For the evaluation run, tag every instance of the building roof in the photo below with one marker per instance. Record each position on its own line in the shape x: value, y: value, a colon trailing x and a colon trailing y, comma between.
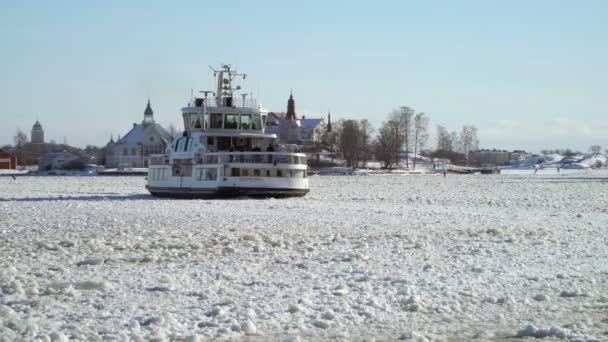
x: 310, y: 123
x: 37, y: 125
x: 6, y: 152
x: 138, y: 132
x: 277, y: 116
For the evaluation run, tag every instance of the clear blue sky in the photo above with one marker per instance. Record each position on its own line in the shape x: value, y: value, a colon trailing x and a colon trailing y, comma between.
x: 528, y: 74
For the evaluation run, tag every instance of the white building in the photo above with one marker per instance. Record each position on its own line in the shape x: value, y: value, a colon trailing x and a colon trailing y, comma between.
x: 133, y: 149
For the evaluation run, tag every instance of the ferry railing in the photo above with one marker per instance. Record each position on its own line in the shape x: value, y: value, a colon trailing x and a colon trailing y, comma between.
x: 252, y: 157
x: 239, y: 158
x: 236, y: 102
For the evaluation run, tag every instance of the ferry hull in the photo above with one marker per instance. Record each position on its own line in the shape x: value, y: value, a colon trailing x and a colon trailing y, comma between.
x: 225, y: 192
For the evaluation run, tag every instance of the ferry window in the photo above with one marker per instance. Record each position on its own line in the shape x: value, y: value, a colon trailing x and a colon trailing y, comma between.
x: 288, y: 173
x: 206, y: 174
x: 211, y: 174
x: 196, y: 122
x: 256, y: 123
x: 235, y: 172
x: 279, y: 173
x: 186, y: 123
x: 210, y: 141
x: 267, y: 173
x: 245, y: 121
x: 298, y: 174
x: 231, y: 121
x: 256, y: 172
x: 244, y: 172
x: 305, y: 174
x: 216, y: 120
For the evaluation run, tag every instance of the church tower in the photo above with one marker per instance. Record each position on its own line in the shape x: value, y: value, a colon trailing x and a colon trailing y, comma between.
x: 291, y: 109
x: 37, y: 134
x: 148, y: 115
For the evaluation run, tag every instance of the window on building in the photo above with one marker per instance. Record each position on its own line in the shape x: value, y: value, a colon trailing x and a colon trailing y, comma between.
x: 125, y: 151
x: 133, y: 151
x: 151, y: 139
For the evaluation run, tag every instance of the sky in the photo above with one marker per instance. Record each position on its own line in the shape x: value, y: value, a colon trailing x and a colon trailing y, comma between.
x: 529, y: 74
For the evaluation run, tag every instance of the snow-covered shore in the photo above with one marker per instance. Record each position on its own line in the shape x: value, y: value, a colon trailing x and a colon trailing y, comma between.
x: 456, y: 258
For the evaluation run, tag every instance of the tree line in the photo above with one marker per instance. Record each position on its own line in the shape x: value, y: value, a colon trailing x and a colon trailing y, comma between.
x: 404, y: 132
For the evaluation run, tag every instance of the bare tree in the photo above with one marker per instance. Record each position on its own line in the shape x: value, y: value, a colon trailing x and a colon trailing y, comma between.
x: 20, y: 138
x: 444, y: 141
x: 350, y: 142
x: 456, y: 141
x: 468, y: 140
x: 366, y: 135
x: 595, y: 149
x: 172, y: 130
x: 421, y: 123
x: 393, y: 126
x: 385, y: 146
x: 401, y: 122
x: 407, y: 126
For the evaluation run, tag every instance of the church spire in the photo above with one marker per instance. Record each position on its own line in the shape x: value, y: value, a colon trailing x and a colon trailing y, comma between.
x: 328, y: 121
x: 291, y: 108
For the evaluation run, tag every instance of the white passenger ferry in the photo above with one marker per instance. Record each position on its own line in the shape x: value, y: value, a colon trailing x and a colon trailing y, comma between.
x: 225, y: 152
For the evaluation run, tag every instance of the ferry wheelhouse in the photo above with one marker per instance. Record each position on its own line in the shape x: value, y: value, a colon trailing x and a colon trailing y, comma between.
x: 225, y: 152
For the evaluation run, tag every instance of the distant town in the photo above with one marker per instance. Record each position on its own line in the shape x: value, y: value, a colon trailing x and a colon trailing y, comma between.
x: 400, y: 143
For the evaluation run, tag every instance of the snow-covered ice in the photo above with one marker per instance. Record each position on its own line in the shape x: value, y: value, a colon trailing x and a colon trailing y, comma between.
x: 415, y: 258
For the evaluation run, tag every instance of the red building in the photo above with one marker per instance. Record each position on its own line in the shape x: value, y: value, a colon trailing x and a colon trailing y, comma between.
x: 7, y: 161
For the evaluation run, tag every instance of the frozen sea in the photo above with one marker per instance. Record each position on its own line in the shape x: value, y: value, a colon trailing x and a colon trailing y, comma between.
x: 418, y: 258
